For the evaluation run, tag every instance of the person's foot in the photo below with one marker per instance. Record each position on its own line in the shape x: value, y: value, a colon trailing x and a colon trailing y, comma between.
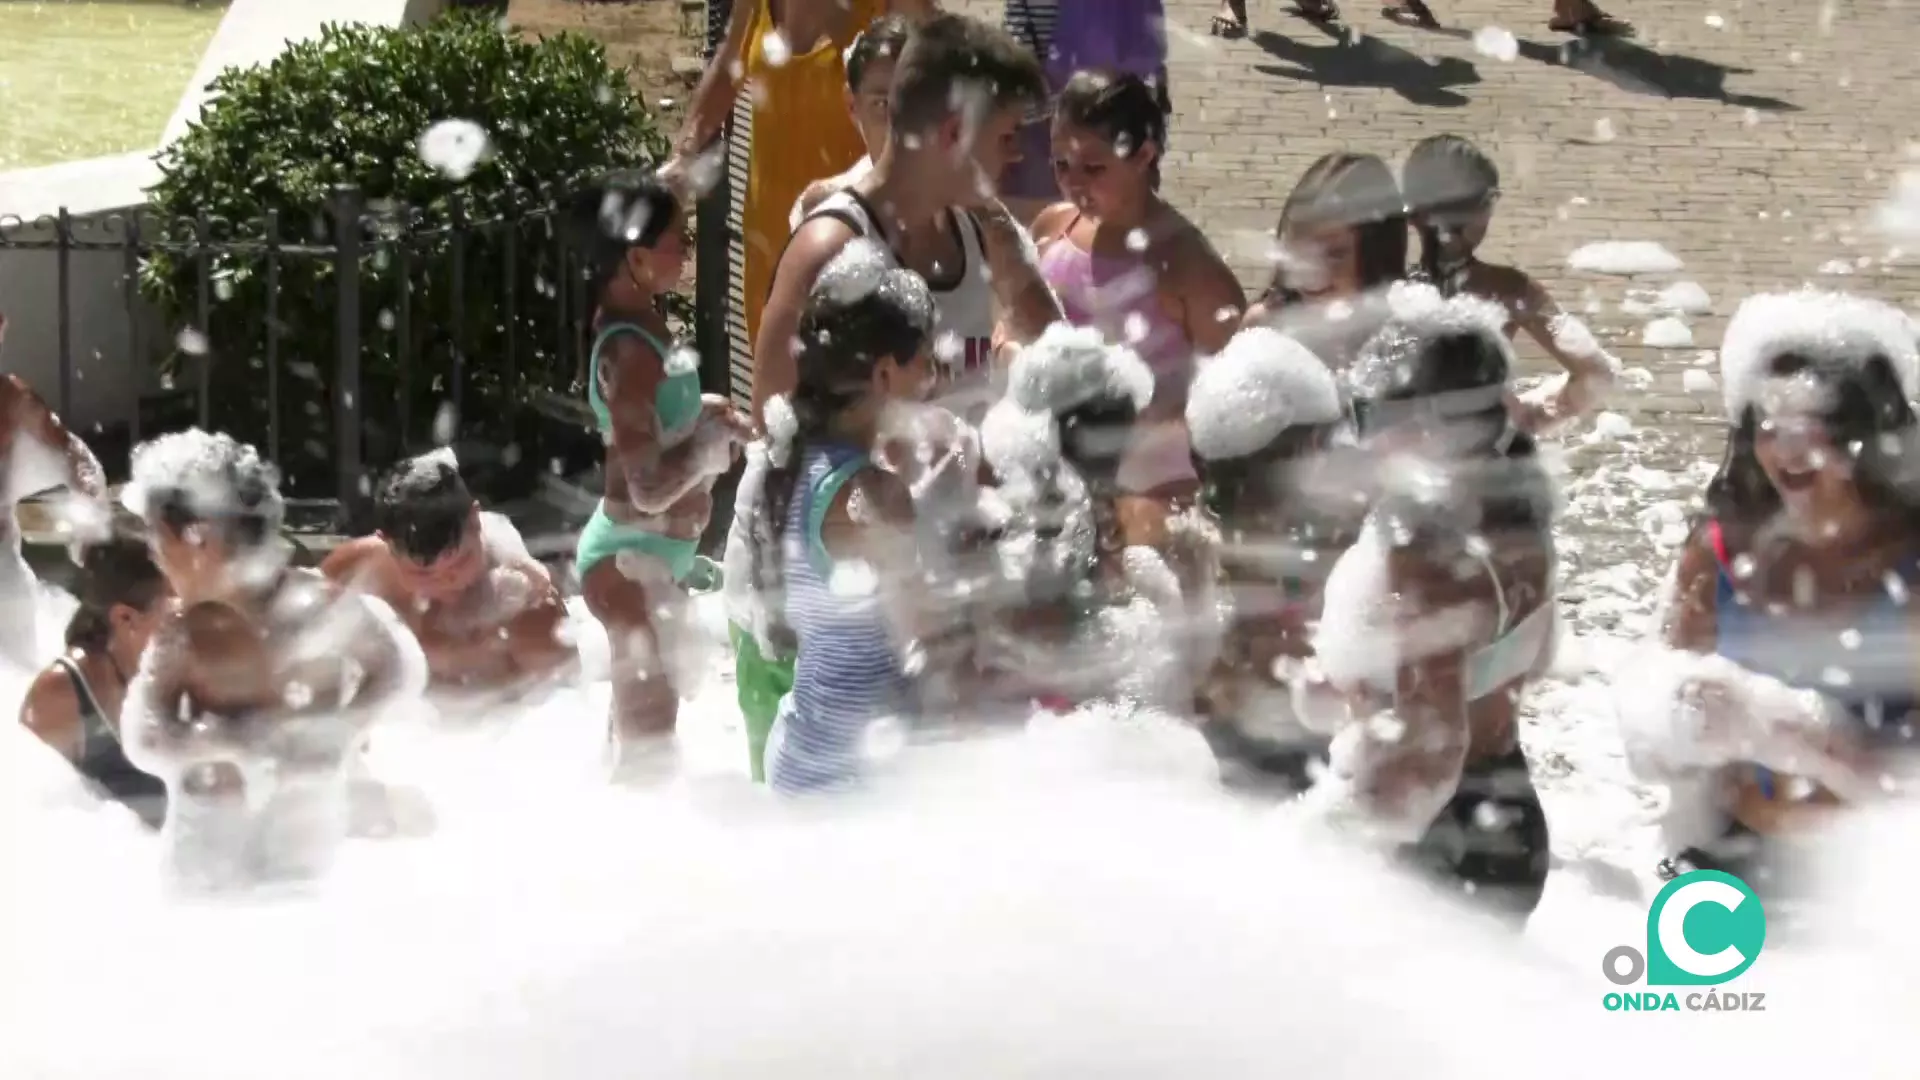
x: 1584, y: 18
x: 1231, y: 20
x: 1412, y: 11
x: 1320, y: 11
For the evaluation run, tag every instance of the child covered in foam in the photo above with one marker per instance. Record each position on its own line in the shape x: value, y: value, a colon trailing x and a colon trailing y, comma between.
x: 1443, y: 612
x: 1103, y: 595
x: 1783, y: 685
x: 1271, y: 441
x: 253, y: 700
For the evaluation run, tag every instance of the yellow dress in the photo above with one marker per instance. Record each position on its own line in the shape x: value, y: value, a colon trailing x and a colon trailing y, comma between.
x: 801, y: 133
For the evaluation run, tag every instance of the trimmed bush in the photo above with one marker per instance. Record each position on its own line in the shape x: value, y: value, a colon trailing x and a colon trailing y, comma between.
x: 350, y: 109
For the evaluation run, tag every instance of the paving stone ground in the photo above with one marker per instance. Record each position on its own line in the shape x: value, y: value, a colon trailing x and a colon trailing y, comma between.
x: 1749, y: 137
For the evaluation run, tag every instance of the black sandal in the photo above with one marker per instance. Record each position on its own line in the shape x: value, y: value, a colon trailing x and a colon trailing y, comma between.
x: 1230, y: 29
x: 1318, y: 11
x: 1413, y: 11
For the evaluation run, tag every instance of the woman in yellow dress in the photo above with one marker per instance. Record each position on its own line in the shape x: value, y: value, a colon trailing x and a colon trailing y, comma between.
x: 788, y: 53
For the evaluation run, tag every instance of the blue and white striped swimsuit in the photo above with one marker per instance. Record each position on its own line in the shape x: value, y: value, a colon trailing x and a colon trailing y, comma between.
x: 847, y: 673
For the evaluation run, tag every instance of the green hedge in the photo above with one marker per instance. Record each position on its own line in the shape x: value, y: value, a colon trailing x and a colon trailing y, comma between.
x: 349, y: 108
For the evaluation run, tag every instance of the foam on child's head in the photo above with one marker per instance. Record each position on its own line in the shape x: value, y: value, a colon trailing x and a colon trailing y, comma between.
x: 1261, y: 384
x: 1070, y: 366
x: 854, y: 273
x: 1819, y: 325
x: 1418, y: 313
x: 1018, y: 440
x: 215, y: 474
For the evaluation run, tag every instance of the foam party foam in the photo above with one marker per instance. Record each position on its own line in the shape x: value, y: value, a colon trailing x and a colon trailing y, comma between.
x: 1820, y: 325
x: 1072, y: 900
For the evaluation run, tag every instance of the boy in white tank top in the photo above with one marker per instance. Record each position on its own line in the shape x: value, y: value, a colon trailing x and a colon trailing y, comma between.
x: 960, y: 91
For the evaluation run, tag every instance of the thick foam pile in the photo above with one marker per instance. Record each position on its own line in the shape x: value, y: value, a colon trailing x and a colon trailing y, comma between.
x: 1417, y: 311
x: 1260, y: 385
x: 1819, y: 325
x: 1069, y: 366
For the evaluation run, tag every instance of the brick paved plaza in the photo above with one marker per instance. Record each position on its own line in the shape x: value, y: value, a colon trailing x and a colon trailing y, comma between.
x: 1754, y: 150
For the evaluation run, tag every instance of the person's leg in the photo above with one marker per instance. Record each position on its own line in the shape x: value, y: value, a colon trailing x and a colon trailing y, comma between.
x: 626, y: 577
x: 1231, y: 20
x: 1413, y: 11
x: 1491, y: 841
x: 761, y: 683
x: 1585, y: 17
x: 646, y: 707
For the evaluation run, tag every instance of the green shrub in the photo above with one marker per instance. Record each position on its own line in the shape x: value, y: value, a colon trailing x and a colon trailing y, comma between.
x: 349, y: 109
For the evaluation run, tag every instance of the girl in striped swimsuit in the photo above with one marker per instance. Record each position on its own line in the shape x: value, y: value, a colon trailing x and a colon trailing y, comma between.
x: 833, y: 545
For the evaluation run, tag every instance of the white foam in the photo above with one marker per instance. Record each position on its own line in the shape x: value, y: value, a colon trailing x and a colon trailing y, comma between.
x: 1898, y: 217
x: 204, y: 466
x: 1666, y: 333
x: 1495, y: 42
x: 1068, y: 366
x: 1823, y: 325
x: 455, y: 147
x: 1624, y: 257
x: 1262, y: 383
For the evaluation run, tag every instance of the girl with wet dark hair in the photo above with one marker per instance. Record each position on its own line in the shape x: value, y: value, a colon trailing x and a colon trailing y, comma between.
x: 1126, y: 263
x: 833, y: 533
x: 666, y: 445
x: 1122, y: 37
x: 74, y: 705
x: 1451, y: 187
x: 1443, y: 612
x: 1269, y: 436
x: 1341, y: 239
x: 1798, y: 575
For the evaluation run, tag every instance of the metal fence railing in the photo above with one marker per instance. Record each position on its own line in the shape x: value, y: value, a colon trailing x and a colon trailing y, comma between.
x: 342, y: 342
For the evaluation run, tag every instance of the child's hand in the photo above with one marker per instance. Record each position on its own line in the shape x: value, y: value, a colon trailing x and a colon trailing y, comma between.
x: 719, y: 412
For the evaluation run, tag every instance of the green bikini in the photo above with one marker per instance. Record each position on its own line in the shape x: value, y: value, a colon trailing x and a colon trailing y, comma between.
x: 677, y: 403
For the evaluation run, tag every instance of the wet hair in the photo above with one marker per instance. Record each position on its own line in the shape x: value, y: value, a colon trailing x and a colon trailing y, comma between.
x: 1093, y: 438
x: 1867, y: 414
x: 862, y: 311
x: 884, y: 39
x: 615, y: 214
x: 1121, y: 108
x: 1459, y: 376
x: 947, y: 54
x: 423, y: 508
x: 1231, y: 486
x: 1445, y: 174
x: 211, y: 480
x: 120, y: 572
x: 1355, y: 191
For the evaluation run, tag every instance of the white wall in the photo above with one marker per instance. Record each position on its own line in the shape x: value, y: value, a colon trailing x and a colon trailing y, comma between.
x: 108, y: 378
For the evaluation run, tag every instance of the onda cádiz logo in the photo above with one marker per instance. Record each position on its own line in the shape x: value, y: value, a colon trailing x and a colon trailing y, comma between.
x: 1704, y: 929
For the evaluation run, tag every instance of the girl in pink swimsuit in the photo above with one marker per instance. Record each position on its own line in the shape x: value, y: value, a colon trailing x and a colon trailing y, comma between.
x: 1126, y: 263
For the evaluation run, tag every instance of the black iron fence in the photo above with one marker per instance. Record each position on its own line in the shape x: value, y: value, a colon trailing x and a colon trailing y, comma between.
x: 342, y: 342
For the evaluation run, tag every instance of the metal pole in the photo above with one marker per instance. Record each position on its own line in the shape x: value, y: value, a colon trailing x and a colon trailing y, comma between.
x: 347, y: 205
x: 63, y: 233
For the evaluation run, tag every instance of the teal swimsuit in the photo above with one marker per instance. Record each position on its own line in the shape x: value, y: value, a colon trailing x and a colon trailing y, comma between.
x: 677, y: 403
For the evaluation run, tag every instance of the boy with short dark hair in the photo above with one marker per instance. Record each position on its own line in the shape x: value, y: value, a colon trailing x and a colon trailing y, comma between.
x: 486, y: 614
